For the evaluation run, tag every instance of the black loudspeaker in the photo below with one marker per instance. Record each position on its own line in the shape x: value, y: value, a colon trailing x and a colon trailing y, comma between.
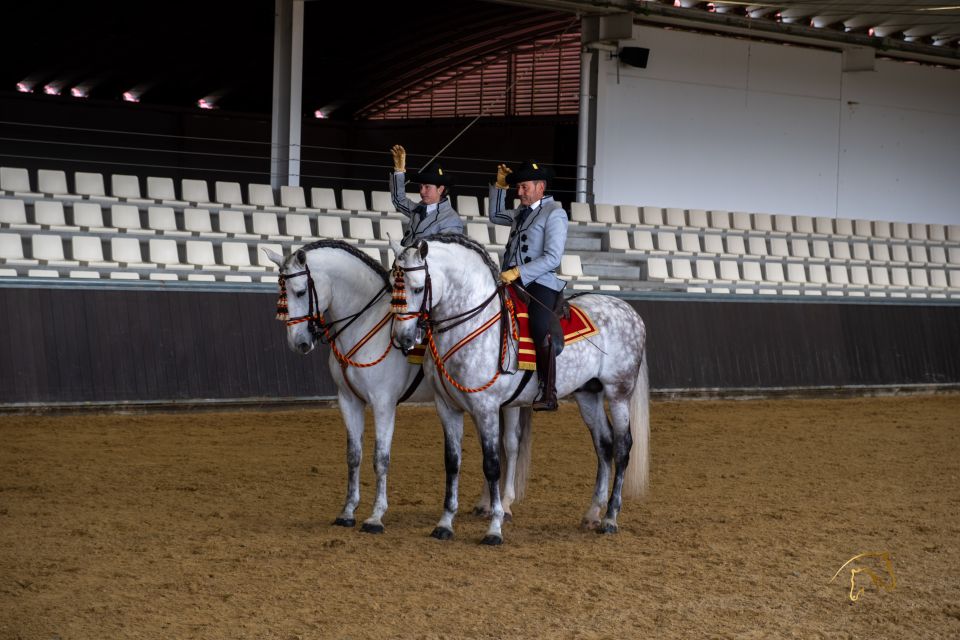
x: 634, y: 56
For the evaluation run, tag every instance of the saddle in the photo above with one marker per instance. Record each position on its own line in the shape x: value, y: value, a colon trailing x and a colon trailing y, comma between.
x: 574, y: 325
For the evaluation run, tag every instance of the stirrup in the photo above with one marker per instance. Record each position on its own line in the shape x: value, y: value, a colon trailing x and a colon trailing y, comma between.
x: 545, y: 402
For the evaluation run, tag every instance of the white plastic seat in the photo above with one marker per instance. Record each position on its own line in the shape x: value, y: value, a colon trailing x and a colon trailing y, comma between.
x: 265, y: 223
x: 880, y: 251
x: 729, y: 270
x: 799, y: 248
x: 329, y: 227
x: 580, y: 212
x: 361, y: 229
x: 680, y: 270
x: 803, y: 224
x: 643, y: 240
x: 752, y: 271
x: 862, y: 227
x: 706, y: 270
x: 735, y: 246
x: 720, y: 219
x: 918, y: 253
x: 373, y: 252
x: 196, y: 192
x: 89, y: 250
x: 918, y: 278
x: 881, y: 229
x: 11, y: 250
x: 13, y: 214
x: 49, y: 249
x: 229, y: 194
x: 298, y: 225
x: 860, y: 251
x: 880, y: 276
x: 823, y: 225
x: 232, y: 222
x: 479, y: 232
x: 690, y: 242
x: 840, y: 250
x: 657, y: 269
x: 501, y: 234
x: 821, y: 249
x: 783, y: 223
x: 953, y: 255
x: 50, y: 213
x: 126, y: 187
x: 675, y: 217
x: 900, y: 230
x: 818, y: 274
x: 54, y: 183
x: 89, y: 215
x: 843, y: 227
x: 323, y: 198
x: 698, y: 218
x: 237, y: 255
x: 938, y: 255
x: 741, y: 221
x: 353, y: 200
x: 467, y: 206
x: 839, y: 274
x: 293, y: 197
x: 763, y: 222
x: 127, y: 252
x: 43, y: 273
x: 382, y: 201
x: 757, y: 246
x: 773, y: 272
x: 164, y: 220
x: 198, y: 221
x: 937, y: 232
x: 796, y: 273
x: 261, y: 195
x: 164, y: 252
x: 713, y: 243
x: 779, y: 247
x: 618, y: 240
x: 918, y: 231
x: 571, y: 266
x: 653, y: 216
x: 90, y: 185
x: 899, y: 253
x: 162, y: 189
x: 605, y: 214
x: 16, y: 181
x: 200, y: 254
x: 954, y: 276
x: 666, y: 241
x: 938, y: 279
x: 628, y: 214
x: 393, y: 229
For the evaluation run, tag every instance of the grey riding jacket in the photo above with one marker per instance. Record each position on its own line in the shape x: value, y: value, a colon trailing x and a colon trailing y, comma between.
x: 443, y: 219
x: 536, y: 244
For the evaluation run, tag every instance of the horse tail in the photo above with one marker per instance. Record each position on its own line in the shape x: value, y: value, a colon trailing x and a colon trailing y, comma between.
x: 638, y: 470
x: 524, y: 453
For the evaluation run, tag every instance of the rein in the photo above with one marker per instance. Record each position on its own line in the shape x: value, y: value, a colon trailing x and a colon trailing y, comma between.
x: 427, y: 324
x: 315, y: 319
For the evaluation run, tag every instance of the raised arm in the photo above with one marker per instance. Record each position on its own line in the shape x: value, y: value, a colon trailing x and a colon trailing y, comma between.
x: 398, y: 181
x: 497, y: 210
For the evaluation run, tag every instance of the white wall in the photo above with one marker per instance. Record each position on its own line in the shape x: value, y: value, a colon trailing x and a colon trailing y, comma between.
x: 723, y: 123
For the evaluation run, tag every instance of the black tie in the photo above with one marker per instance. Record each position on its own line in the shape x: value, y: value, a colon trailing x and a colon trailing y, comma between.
x: 524, y: 212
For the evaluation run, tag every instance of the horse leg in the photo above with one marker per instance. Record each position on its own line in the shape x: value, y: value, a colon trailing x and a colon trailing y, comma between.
x: 510, y: 434
x: 591, y: 410
x: 488, y: 428
x: 622, y: 441
x: 452, y: 420
x: 351, y: 408
x: 383, y: 416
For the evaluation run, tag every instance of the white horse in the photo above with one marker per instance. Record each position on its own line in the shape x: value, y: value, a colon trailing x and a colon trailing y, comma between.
x: 337, y: 294
x: 451, y: 290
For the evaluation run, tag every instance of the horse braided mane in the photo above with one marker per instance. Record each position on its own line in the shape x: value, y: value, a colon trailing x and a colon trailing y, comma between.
x: 469, y: 243
x: 352, y: 250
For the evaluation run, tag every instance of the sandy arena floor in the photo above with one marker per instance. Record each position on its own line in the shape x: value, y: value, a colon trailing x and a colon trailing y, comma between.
x: 217, y: 525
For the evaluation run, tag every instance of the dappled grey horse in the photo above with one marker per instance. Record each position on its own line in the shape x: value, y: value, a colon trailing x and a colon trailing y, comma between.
x: 450, y: 289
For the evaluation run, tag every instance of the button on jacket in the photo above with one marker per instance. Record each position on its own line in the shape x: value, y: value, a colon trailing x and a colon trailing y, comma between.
x: 443, y: 219
x: 537, y: 242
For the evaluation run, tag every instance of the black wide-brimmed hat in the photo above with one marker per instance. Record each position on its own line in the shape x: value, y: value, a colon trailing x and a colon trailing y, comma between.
x: 432, y: 174
x: 529, y: 170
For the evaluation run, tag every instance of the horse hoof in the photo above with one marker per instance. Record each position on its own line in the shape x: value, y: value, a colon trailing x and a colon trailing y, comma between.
x: 344, y: 522
x: 371, y: 528
x: 441, y: 533
x: 492, y: 540
x: 608, y: 528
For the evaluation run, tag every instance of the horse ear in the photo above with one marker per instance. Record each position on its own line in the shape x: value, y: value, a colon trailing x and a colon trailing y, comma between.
x: 274, y: 257
x: 422, y: 247
x: 397, y: 248
x: 301, y: 256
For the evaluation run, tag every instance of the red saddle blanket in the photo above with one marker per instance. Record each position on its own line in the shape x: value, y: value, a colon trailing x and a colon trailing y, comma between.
x: 577, y: 326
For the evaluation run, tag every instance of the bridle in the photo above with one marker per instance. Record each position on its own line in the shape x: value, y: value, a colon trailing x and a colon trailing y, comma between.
x: 429, y: 326
x: 320, y: 329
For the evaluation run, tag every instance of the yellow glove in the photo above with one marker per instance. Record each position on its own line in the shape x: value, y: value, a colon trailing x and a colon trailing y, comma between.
x: 399, y: 157
x: 510, y: 275
x: 502, y: 172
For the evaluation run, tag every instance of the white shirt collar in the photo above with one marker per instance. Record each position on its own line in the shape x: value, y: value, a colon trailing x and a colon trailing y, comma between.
x: 536, y: 204
x: 432, y: 207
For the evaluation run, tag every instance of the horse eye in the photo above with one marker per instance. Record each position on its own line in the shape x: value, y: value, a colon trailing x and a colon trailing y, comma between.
x: 300, y: 294
x: 418, y: 289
